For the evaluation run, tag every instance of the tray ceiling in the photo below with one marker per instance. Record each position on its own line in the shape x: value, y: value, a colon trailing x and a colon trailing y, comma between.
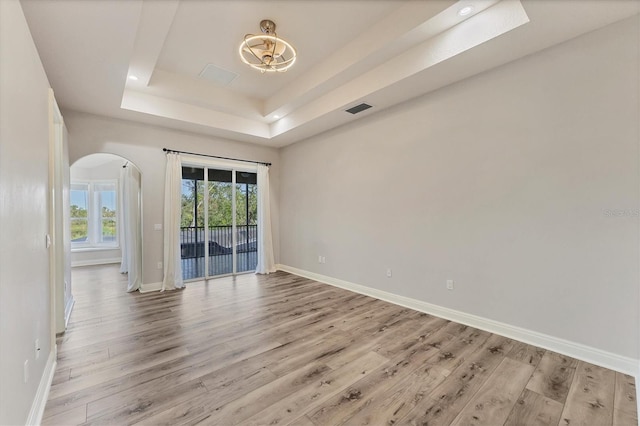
x: 349, y: 52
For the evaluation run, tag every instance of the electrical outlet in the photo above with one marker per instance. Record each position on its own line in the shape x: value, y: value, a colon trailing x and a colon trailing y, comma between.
x: 449, y: 284
x: 159, y: 266
x: 157, y: 227
x: 319, y: 259
x: 389, y: 272
x: 37, y: 348
x: 324, y: 259
x: 25, y: 371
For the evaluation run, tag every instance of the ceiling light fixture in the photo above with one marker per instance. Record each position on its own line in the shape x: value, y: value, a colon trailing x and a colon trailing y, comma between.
x: 276, y: 116
x: 465, y: 10
x: 133, y: 77
x: 267, y: 52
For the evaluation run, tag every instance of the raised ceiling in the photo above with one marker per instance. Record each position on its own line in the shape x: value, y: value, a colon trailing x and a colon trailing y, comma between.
x: 379, y: 52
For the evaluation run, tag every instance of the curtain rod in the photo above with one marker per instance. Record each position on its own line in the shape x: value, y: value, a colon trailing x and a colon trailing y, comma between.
x: 214, y: 156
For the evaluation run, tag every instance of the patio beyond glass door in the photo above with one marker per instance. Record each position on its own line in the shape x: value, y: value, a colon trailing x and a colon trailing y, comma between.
x: 228, y: 207
x: 246, y: 221
x: 220, y: 220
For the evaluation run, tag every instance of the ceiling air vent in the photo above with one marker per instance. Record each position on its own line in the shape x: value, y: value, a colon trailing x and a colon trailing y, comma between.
x: 217, y: 75
x: 358, y: 108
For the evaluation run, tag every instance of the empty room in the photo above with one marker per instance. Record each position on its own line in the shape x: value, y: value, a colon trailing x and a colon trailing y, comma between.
x: 319, y: 212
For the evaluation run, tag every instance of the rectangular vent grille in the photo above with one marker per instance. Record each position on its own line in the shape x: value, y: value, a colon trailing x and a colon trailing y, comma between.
x: 358, y: 108
x: 217, y: 75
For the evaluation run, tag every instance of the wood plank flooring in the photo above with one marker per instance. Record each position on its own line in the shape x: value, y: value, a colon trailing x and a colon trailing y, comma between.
x: 280, y: 349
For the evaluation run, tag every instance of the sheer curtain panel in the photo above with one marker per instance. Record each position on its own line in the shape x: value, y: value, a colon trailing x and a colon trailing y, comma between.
x: 129, y: 226
x: 132, y: 215
x: 172, y: 203
x: 266, y: 263
x: 122, y: 225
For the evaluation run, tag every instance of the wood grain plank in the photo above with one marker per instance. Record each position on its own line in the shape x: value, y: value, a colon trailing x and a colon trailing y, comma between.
x: 74, y: 416
x: 553, y: 376
x: 450, y: 397
x: 144, y: 406
x: 346, y: 404
x: 497, y: 396
x: 465, y: 343
x: 624, y: 418
x: 590, y: 399
x: 61, y: 375
x: 526, y: 353
x: 259, y: 399
x: 624, y: 402
x: 313, y: 395
x: 302, y: 421
x: 390, y: 406
x: 199, y: 363
x: 533, y: 409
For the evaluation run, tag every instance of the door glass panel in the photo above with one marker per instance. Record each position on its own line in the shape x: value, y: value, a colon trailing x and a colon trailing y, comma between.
x: 246, y: 221
x: 220, y: 223
x: 192, y: 223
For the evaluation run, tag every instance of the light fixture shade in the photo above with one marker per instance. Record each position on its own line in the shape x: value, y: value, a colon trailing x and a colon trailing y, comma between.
x: 267, y: 52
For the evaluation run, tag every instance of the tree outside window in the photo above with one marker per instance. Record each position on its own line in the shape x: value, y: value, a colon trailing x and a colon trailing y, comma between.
x: 94, y: 214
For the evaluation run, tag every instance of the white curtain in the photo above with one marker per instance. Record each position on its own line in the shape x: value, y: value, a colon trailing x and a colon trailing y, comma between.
x: 122, y: 228
x: 172, y: 204
x: 266, y: 263
x: 130, y: 231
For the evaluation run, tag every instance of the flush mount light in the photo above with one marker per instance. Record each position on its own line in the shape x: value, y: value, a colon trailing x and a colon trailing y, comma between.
x: 276, y: 116
x: 465, y: 10
x: 267, y: 52
x: 133, y: 78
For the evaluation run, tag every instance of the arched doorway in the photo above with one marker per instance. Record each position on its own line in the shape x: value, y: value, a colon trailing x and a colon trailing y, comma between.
x: 105, y: 214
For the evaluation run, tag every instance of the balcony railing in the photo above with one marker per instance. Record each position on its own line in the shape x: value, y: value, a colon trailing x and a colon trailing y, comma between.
x: 220, y: 240
x: 220, y: 250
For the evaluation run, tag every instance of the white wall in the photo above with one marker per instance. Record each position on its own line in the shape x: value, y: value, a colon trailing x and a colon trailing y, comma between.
x: 25, y: 311
x: 500, y: 182
x: 108, y: 171
x: 142, y: 144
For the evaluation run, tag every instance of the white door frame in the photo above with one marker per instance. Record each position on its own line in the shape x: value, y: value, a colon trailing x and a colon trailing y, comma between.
x: 57, y: 255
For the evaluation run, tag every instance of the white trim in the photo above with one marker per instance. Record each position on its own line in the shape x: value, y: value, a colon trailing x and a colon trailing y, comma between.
x: 149, y: 287
x: 94, y: 249
x: 92, y: 262
x: 67, y: 310
x: 42, y: 394
x: 217, y: 163
x: 575, y: 350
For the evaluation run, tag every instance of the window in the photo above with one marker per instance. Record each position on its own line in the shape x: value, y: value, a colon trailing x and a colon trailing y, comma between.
x: 79, y: 209
x: 94, y: 214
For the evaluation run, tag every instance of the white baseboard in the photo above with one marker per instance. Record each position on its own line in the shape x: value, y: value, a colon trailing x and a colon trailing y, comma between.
x: 575, y: 350
x: 149, y: 287
x: 42, y: 394
x: 77, y: 263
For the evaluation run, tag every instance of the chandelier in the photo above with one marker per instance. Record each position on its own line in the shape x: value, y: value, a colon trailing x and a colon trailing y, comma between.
x: 267, y: 52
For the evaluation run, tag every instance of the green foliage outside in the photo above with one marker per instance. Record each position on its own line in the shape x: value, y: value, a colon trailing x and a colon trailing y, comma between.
x: 220, y: 204
x: 80, y: 224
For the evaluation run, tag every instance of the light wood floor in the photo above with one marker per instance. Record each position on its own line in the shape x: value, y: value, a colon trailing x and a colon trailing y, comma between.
x: 281, y: 349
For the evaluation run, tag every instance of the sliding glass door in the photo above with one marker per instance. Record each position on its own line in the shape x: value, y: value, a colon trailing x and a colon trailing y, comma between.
x: 246, y: 221
x: 218, y: 233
